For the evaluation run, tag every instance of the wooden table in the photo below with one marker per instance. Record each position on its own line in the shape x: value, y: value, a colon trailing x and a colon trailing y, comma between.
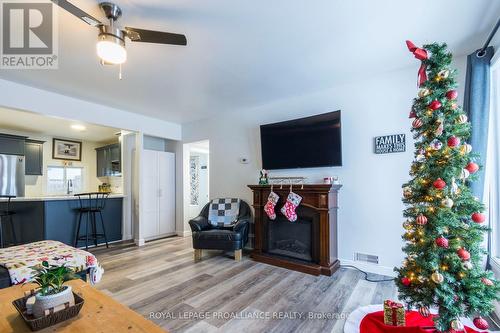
x: 100, y: 314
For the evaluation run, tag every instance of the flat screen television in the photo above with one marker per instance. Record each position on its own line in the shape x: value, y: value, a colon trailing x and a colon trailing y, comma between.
x: 302, y: 143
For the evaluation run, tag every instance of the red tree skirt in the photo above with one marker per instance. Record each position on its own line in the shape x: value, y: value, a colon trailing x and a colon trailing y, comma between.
x: 415, y: 323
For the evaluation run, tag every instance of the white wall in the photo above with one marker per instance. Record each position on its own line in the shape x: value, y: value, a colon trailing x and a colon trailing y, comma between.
x: 370, y: 214
x: 22, y: 97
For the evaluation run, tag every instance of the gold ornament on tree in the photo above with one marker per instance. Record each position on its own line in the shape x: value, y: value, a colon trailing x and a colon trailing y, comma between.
x: 407, y: 192
x: 465, y: 174
x: 440, y: 128
x: 424, y: 92
x: 466, y: 149
x: 462, y: 119
x: 442, y: 75
x: 467, y: 265
x: 437, y: 277
x: 447, y: 202
x: 457, y: 325
x: 454, y: 186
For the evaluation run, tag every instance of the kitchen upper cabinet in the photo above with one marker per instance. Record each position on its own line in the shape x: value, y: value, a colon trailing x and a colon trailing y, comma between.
x: 12, y: 144
x: 33, y: 150
x: 109, y: 160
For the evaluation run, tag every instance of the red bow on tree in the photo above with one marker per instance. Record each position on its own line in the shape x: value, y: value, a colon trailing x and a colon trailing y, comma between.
x: 421, y: 55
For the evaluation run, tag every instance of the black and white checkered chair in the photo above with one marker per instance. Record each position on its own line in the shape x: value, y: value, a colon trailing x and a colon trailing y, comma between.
x: 220, y: 232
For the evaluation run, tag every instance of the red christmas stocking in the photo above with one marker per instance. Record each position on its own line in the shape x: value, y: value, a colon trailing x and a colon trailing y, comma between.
x: 272, y: 200
x: 291, y: 204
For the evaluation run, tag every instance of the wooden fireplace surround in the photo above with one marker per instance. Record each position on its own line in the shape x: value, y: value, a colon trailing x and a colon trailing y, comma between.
x: 323, y: 199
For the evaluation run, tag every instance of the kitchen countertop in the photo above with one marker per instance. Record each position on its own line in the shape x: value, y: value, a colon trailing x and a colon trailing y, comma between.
x: 57, y: 197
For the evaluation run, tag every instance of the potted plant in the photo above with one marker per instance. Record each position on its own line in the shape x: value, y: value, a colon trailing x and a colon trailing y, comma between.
x: 52, y: 292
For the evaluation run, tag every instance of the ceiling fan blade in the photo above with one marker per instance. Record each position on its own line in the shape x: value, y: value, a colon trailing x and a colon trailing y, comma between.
x: 87, y: 18
x: 159, y: 37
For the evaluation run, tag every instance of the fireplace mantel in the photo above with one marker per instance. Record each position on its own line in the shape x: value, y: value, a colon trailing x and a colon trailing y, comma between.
x: 320, y: 197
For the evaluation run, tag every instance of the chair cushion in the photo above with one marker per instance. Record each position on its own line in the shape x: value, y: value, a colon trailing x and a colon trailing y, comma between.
x: 223, y: 211
x: 217, y: 235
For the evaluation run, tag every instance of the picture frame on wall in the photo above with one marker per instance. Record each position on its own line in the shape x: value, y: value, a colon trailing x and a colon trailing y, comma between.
x: 66, y: 150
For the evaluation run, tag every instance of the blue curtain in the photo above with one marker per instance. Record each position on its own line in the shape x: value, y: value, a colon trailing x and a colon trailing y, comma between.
x: 477, y: 107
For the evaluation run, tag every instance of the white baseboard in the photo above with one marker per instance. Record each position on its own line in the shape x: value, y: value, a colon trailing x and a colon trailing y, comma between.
x: 184, y: 233
x: 370, y: 268
x: 127, y: 237
x: 139, y: 242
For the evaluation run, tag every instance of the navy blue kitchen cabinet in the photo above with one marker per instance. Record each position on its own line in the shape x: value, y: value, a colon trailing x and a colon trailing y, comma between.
x: 109, y: 160
x: 33, y: 157
x: 61, y: 220
x: 57, y: 220
x: 11, y: 144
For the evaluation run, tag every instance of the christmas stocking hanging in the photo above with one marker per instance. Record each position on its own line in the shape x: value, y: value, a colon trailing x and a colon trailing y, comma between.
x: 272, y: 200
x: 291, y: 204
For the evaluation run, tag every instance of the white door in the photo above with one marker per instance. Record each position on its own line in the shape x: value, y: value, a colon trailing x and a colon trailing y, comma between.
x: 166, y: 176
x: 149, y: 190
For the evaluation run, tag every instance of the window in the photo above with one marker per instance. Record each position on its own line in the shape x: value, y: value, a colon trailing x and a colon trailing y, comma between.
x: 194, y: 175
x: 59, y: 177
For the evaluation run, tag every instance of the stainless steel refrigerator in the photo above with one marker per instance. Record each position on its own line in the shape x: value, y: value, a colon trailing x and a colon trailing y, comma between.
x: 12, y: 175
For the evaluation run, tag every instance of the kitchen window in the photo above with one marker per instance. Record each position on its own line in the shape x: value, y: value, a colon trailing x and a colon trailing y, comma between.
x: 60, y: 178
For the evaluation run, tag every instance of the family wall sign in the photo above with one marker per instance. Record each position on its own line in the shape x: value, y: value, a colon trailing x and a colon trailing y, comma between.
x: 386, y: 144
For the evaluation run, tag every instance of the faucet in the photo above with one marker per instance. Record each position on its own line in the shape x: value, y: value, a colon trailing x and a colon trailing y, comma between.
x: 69, y: 189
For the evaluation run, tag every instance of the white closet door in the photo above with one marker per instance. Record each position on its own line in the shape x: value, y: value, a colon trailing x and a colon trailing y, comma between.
x: 150, y: 192
x: 166, y: 170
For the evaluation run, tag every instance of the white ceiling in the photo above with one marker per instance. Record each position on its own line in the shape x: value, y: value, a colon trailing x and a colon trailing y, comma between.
x: 21, y: 122
x: 242, y: 54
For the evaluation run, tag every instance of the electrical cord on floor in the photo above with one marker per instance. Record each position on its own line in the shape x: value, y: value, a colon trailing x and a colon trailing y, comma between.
x: 366, y: 274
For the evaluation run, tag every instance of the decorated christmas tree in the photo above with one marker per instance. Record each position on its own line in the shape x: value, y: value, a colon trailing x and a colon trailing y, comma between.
x: 444, y: 226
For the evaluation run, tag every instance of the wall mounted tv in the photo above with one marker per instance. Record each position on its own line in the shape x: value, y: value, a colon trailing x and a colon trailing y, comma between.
x: 302, y: 143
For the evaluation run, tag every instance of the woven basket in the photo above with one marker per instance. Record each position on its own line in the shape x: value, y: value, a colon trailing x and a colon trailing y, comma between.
x: 36, y: 324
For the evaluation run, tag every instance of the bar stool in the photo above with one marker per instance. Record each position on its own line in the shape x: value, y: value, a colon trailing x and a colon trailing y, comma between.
x: 91, y: 205
x: 8, y: 213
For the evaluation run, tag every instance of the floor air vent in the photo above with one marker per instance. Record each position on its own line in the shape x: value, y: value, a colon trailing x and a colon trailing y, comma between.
x: 372, y: 259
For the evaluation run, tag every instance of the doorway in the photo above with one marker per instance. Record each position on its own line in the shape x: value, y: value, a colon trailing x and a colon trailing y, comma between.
x: 196, y: 177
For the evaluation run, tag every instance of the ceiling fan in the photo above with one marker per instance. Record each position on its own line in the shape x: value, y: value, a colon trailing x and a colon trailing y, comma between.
x: 111, y: 39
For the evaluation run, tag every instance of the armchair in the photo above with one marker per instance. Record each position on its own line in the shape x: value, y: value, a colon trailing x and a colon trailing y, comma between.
x: 209, y: 237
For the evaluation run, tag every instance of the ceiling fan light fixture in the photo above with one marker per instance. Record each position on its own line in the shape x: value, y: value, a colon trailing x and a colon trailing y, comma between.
x: 111, y: 49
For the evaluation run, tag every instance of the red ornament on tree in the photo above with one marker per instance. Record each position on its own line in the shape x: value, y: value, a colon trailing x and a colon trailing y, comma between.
x: 463, y: 254
x: 421, y: 220
x: 480, y: 323
x: 478, y: 217
x: 435, y: 104
x: 413, y: 114
x: 439, y: 184
x: 487, y: 282
x: 417, y: 123
x: 453, y: 141
x: 452, y: 94
x: 442, y: 242
x: 405, y: 281
x: 472, y: 167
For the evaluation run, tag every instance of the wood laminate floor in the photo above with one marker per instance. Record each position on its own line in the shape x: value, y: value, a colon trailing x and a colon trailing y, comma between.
x: 161, y: 281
